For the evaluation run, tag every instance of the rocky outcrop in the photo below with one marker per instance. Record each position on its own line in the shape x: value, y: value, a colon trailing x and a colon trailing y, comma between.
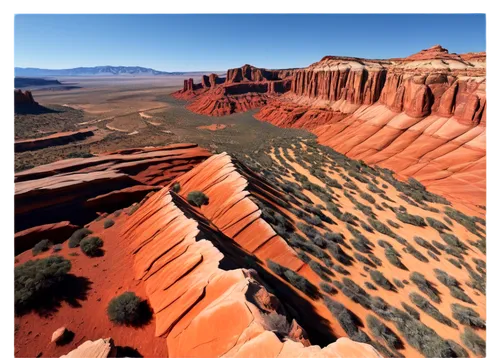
x: 421, y: 116
x: 56, y: 233
x: 192, y: 262
x: 25, y: 103
x: 68, y: 189
x: 101, y: 348
x: 23, y: 145
x: 244, y: 88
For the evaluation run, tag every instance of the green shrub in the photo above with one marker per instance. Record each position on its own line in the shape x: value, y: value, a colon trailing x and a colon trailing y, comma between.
x: 446, y: 279
x: 347, y: 320
x: 108, y: 223
x: 78, y: 235
x: 127, y: 309
x: 339, y: 254
x: 381, y: 227
x: 436, y: 224
x: 425, y: 286
x: 398, y: 283
x: 412, y: 311
x: 35, y: 279
x: 383, y: 332
x: 375, y: 259
x: 431, y: 310
x: 356, y: 293
x: 367, y: 197
x: 176, y: 187
x: 379, y: 278
x: 414, y: 220
x: 467, y: 316
x: 370, y: 286
x: 327, y: 288
x: 364, y: 259
x: 277, y: 323
x: 426, y: 245
x: 474, y: 342
x: 197, y: 198
x: 57, y: 248
x: 393, y: 257
x: 415, y: 253
x: 320, y: 270
x: 294, y: 279
x: 42, y: 246
x: 393, y: 224
x: 92, y: 246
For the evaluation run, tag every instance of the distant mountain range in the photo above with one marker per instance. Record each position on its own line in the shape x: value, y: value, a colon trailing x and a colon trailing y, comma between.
x: 99, y: 71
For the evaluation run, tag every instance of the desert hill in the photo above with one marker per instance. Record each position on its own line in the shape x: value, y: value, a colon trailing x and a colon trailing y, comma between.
x: 317, y: 254
x: 423, y: 116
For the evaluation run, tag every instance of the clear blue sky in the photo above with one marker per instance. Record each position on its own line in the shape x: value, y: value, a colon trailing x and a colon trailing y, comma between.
x: 218, y: 42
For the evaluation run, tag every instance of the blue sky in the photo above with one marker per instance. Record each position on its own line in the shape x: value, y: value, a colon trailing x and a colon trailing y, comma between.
x: 218, y: 42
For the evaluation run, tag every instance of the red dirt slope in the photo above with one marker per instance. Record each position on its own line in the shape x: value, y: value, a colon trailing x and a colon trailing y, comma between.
x: 422, y: 116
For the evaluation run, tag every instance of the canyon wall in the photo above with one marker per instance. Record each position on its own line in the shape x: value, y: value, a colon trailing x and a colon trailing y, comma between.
x: 423, y: 116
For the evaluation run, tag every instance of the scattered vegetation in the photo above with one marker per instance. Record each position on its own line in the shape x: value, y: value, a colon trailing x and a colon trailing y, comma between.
x: 425, y: 286
x: 92, y: 246
x: 381, y: 331
x: 35, y: 279
x: 474, y: 342
x: 77, y: 237
x: 431, y: 310
x: 197, y: 198
x: 42, y: 246
x: 176, y: 187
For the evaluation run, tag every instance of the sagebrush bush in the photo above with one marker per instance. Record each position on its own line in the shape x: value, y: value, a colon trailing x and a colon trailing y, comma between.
x: 108, y: 223
x: 436, y: 224
x: 41, y: 246
x: 381, y: 331
x: 78, y: 235
x: 412, y: 311
x: 126, y: 309
x: 407, y: 218
x: 34, y: 279
x: 425, y: 286
x: 379, y: 278
x: 326, y: 287
x: 467, y: 316
x: 197, y: 198
x: 91, y: 246
x: 430, y: 309
x: 277, y: 323
x: 347, y: 320
x: 176, y: 187
x: 393, y: 257
x: 474, y: 342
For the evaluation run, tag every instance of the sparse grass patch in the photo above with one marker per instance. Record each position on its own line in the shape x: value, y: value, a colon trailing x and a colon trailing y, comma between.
x: 41, y: 246
x: 431, y: 310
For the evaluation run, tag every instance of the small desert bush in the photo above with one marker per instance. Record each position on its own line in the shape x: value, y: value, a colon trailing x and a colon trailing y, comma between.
x: 393, y: 224
x: 320, y: 270
x: 430, y: 309
x: 126, y: 309
x: 176, y: 187
x: 381, y: 331
x: 91, y: 246
x: 197, y: 198
x: 415, y: 253
x: 35, y: 279
x: 108, y: 223
x: 42, y: 246
x: 57, y: 248
x: 347, y: 320
x: 425, y: 286
x: 436, y: 224
x: 78, y: 235
x: 381, y: 227
x: 326, y: 287
x: 278, y: 323
x: 393, y: 257
x: 375, y: 259
x: 364, y: 259
x: 474, y: 342
x: 379, y: 278
x: 339, y: 254
x: 294, y: 279
x: 412, y: 311
x: 356, y: 293
x: 370, y: 286
x: 407, y: 218
x: 467, y: 316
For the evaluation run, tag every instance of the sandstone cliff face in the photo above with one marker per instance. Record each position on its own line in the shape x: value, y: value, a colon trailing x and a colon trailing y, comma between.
x: 188, y: 258
x: 422, y: 116
x: 70, y: 189
x: 24, y: 102
x: 244, y: 88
